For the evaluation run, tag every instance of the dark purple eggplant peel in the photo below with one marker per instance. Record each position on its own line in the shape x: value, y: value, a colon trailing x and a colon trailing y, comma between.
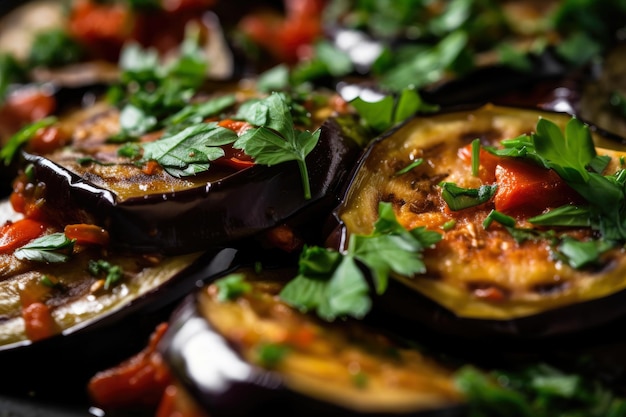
x: 212, y: 346
x: 536, y: 295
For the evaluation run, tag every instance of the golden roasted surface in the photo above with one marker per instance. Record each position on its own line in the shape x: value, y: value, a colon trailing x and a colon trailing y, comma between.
x: 473, y: 271
x: 341, y: 362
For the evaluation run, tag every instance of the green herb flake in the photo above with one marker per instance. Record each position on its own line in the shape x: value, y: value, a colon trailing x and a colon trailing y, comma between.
x: 499, y: 217
x: 270, y: 355
x: 380, y: 115
x: 49, y: 282
x: 333, y: 284
x: 112, y: 273
x: 276, y: 140
x: 409, y: 167
x: 459, y: 198
x: 52, y: 248
x: 21, y: 137
x: 475, y: 156
x: 232, y: 287
x: 189, y: 151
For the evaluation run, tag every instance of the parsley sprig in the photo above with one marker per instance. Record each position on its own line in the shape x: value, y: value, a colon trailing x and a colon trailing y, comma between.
x: 276, y: 140
x: 334, y: 283
x: 191, y: 150
x: 53, y: 248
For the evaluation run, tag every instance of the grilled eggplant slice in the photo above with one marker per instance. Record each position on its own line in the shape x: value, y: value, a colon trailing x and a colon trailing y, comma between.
x: 480, y: 280
x: 49, y: 311
x: 246, y: 352
x: 159, y: 212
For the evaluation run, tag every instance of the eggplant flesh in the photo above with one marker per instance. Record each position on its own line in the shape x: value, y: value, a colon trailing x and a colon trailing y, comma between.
x: 212, y: 347
x: 541, y: 296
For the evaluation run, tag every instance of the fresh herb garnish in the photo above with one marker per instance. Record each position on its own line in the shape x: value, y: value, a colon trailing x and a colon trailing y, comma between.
x: 54, y: 48
x: 333, y: 283
x: 475, y: 156
x: 53, y: 248
x: 191, y: 150
x: 151, y: 90
x: 112, y: 273
x: 270, y: 355
x: 409, y: 167
x: 276, y: 139
x: 11, y: 71
x: 538, y: 390
x: 459, y: 198
x: 382, y: 114
x: 231, y: 287
x: 9, y: 150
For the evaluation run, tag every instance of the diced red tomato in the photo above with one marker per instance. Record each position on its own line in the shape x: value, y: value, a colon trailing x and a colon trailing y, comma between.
x: 139, y: 381
x: 87, y: 234
x: 150, y: 167
x: 16, y: 234
x: 47, y: 140
x: 302, y: 337
x: 23, y: 107
x: 38, y: 321
x: 103, y: 27
x: 529, y: 188
x: 237, y: 126
x: 288, y: 38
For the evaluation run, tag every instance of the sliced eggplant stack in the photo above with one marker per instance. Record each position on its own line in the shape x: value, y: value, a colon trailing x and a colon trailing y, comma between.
x: 506, y: 277
x: 237, y: 349
x: 158, y: 212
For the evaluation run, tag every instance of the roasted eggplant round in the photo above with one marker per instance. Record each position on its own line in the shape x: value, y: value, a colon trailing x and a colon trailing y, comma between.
x: 508, y: 277
x: 51, y: 310
x: 237, y: 349
x: 161, y: 213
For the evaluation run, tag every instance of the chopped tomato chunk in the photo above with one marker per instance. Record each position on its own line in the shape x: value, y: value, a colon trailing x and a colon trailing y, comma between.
x: 289, y: 37
x: 237, y: 126
x: 47, y: 140
x: 38, y: 321
x: 529, y: 188
x: 102, y: 27
x: 16, y: 234
x: 138, y: 381
x: 87, y: 234
x: 150, y: 168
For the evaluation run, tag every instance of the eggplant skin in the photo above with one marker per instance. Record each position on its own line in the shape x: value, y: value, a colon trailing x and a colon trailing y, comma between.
x: 540, y: 297
x: 212, y: 214
x: 210, y: 362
